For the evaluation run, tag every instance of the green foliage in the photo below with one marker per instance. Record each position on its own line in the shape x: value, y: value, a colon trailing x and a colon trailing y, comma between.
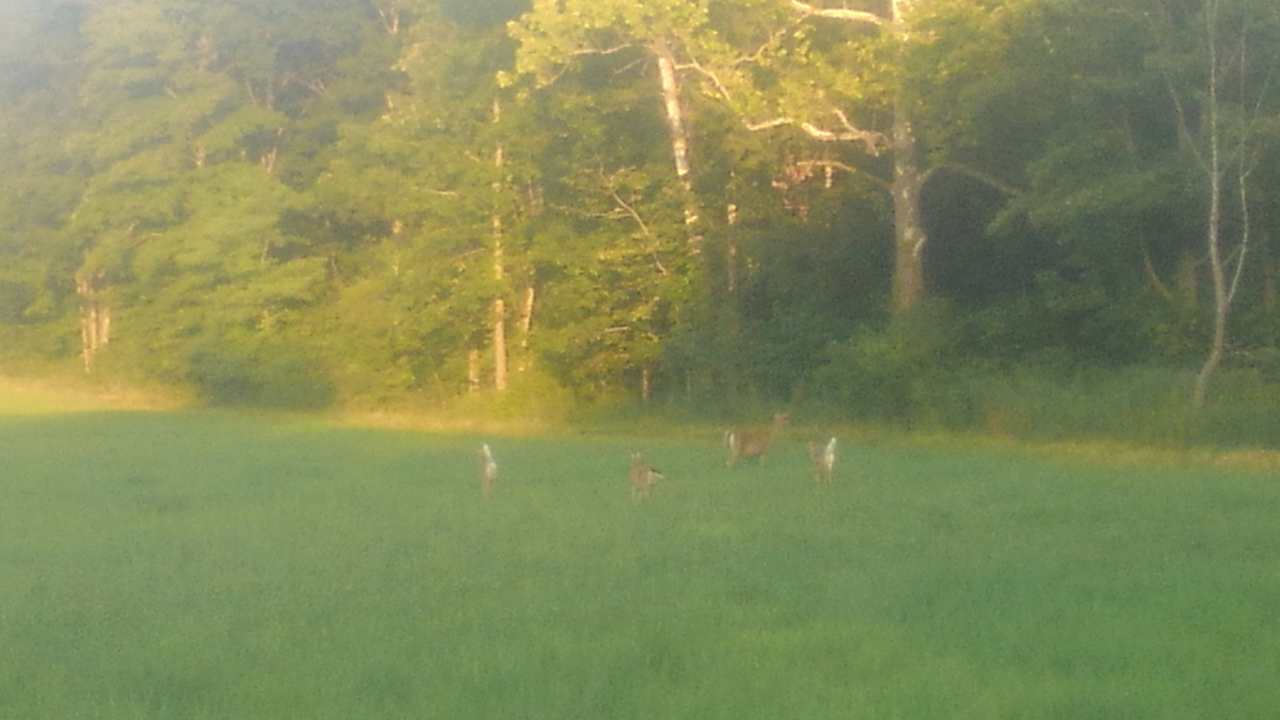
x: 15, y: 298
x: 357, y: 184
x: 266, y: 375
x: 897, y: 374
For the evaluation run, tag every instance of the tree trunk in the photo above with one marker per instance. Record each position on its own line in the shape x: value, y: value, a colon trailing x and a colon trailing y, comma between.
x: 674, y: 108
x: 95, y: 321
x: 646, y: 384
x: 390, y: 20
x: 731, y: 249
x: 526, y: 327
x: 473, y: 371
x: 499, y: 345
x: 88, y: 336
x: 908, y: 182
x: 499, y: 272
x: 909, y: 237
x: 1221, y: 303
x: 104, y: 326
x: 731, y: 313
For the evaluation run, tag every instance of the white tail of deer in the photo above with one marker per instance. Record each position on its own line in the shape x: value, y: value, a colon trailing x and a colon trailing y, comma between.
x: 488, y: 470
x: 824, y: 460
x: 643, y: 477
x: 753, y: 443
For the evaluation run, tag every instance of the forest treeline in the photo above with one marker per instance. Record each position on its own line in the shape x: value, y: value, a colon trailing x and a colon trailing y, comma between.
x: 964, y: 212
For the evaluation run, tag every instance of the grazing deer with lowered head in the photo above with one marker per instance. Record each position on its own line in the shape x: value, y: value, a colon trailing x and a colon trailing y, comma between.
x: 824, y: 460
x: 643, y: 477
x: 753, y: 443
x: 488, y: 470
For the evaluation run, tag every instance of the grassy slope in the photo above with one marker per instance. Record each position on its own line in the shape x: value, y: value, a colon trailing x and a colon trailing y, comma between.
x: 205, y: 566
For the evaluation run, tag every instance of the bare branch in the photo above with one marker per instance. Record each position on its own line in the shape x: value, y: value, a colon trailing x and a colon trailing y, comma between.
x: 1246, y: 169
x: 715, y: 79
x: 599, y: 51
x: 1180, y: 114
x: 631, y: 211
x: 772, y: 41
x: 628, y: 66
x: 837, y: 165
x: 582, y: 52
x: 873, y: 140
x: 769, y: 124
x: 1153, y: 277
x: 1160, y: 35
x: 662, y: 269
x: 807, y: 10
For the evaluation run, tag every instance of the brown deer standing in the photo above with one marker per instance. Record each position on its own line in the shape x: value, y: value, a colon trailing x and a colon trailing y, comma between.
x: 753, y: 443
x: 824, y: 460
x: 643, y: 477
x: 488, y: 470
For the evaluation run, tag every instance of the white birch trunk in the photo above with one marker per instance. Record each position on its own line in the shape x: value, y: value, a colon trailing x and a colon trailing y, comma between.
x: 674, y: 108
x: 499, y: 272
x: 731, y: 249
x: 526, y: 327
x: 1221, y: 303
x: 95, y: 321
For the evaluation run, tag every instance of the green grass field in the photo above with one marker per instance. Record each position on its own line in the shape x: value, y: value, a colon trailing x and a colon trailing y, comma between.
x: 214, y: 566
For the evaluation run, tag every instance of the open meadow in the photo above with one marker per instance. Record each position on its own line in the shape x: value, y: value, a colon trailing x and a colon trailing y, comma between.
x: 209, y: 565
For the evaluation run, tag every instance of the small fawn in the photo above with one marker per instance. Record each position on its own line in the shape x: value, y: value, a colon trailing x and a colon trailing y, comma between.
x: 824, y: 460
x: 753, y: 443
x: 488, y: 470
x: 643, y: 477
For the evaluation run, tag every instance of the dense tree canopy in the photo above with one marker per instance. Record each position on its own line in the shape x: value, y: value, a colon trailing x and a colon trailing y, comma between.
x: 301, y: 201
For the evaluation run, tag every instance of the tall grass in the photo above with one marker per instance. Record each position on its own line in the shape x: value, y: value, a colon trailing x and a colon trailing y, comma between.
x: 207, y: 566
x: 1142, y: 405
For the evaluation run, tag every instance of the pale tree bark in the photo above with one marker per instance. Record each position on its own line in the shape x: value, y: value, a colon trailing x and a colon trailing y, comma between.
x: 526, y: 326
x: 269, y: 160
x: 909, y: 179
x: 673, y: 106
x: 473, y: 371
x: 534, y: 208
x: 1214, y: 169
x: 499, y: 271
x: 1224, y: 289
x: 95, y: 319
x: 499, y: 345
x: 731, y: 249
x: 909, y: 237
x: 390, y: 18
x: 1216, y: 273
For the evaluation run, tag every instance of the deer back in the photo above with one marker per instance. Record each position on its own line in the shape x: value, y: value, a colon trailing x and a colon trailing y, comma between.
x: 754, y: 442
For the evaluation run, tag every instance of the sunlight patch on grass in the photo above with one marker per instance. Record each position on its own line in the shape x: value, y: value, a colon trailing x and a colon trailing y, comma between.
x: 47, y: 397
